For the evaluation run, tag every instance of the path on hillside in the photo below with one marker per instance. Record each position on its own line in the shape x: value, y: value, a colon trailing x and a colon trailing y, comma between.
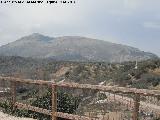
x: 148, y: 107
x: 4, y: 116
x: 143, y: 105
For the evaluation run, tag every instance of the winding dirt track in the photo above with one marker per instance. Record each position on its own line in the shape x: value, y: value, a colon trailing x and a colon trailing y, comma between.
x: 148, y: 107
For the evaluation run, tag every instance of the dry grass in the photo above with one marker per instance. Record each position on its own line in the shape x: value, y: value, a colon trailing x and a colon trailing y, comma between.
x: 156, y: 71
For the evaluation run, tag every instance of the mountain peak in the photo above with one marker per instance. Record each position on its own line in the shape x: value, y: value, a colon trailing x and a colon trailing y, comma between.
x: 72, y: 48
x: 38, y: 37
x: 36, y: 34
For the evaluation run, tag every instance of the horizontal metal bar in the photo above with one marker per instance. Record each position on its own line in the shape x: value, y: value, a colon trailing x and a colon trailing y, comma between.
x: 32, y: 108
x: 115, y: 89
x: 48, y: 112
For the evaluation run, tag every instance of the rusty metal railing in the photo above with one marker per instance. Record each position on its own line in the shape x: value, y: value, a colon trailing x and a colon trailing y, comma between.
x: 136, y: 100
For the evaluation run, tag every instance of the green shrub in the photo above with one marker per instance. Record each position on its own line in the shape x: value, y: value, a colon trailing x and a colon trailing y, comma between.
x: 66, y: 103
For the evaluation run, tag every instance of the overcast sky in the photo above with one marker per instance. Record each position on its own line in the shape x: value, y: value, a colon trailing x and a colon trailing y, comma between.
x: 131, y: 22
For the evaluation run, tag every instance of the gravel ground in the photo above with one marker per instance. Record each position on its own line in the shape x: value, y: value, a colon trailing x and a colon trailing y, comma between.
x: 9, y: 117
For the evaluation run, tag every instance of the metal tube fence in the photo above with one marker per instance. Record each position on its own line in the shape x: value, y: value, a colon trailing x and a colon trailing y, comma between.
x: 80, y: 101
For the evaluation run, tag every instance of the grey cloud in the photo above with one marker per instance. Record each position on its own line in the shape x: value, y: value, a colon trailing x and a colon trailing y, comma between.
x: 122, y: 21
x: 155, y: 25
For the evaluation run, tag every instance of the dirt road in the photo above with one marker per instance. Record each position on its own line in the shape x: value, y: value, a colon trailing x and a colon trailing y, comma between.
x: 130, y: 103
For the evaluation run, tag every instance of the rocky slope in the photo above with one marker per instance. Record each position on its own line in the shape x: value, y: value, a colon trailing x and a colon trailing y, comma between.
x: 72, y: 48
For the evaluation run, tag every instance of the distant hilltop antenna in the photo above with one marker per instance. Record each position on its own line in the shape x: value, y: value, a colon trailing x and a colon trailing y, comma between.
x: 110, y: 65
x: 121, y: 59
x: 136, y: 65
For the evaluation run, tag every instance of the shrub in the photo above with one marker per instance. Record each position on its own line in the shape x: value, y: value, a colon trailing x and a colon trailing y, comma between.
x: 66, y: 104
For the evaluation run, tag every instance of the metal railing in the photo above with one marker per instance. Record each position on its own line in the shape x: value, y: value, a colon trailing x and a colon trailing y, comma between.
x: 136, y: 102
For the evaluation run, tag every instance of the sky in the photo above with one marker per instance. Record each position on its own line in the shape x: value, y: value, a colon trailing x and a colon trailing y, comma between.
x: 131, y: 22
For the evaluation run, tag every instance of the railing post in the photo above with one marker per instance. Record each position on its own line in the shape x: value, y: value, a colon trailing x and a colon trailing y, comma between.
x: 136, y: 106
x: 54, y: 102
x: 13, y: 92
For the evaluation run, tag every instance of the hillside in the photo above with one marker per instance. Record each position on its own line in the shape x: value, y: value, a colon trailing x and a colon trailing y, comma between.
x: 127, y: 74
x: 72, y: 48
x: 124, y: 74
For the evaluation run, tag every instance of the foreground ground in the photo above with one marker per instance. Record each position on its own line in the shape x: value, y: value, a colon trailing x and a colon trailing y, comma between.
x: 8, y: 117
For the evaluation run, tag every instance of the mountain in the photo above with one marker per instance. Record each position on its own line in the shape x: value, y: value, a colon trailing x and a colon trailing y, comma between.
x: 72, y: 48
